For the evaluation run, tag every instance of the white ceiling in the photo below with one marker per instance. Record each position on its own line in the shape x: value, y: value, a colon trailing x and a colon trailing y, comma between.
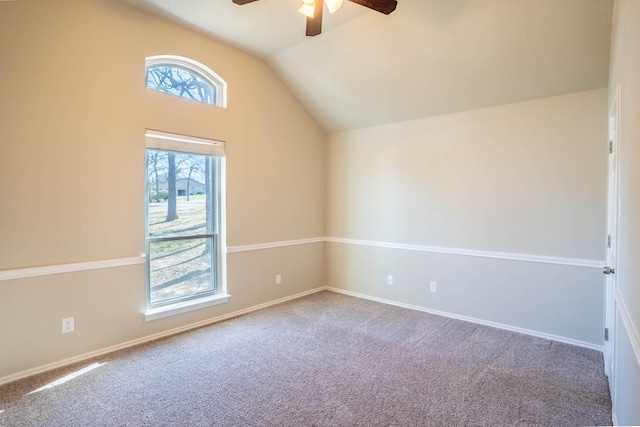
x: 427, y: 58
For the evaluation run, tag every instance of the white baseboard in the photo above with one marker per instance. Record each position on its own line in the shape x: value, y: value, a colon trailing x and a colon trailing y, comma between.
x: 153, y: 337
x: 472, y: 320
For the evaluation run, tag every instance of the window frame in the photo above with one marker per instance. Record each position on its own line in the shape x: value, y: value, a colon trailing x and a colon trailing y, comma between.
x: 196, y: 67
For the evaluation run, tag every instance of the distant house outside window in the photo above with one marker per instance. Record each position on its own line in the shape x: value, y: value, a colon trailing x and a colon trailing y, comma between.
x: 185, y: 186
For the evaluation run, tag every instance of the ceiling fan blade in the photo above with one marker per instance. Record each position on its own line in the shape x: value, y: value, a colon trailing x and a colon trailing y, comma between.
x: 314, y: 25
x: 241, y: 2
x: 382, y: 6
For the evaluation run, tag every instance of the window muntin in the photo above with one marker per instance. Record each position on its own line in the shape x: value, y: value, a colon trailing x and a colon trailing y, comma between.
x: 182, y: 232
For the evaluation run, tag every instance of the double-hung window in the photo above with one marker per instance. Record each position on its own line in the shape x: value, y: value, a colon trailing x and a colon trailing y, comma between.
x: 184, y: 245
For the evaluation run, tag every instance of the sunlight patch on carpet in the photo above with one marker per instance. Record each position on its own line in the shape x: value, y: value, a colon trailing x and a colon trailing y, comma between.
x: 67, y: 377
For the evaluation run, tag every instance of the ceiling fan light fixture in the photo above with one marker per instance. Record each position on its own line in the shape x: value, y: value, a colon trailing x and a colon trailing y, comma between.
x: 333, y: 5
x: 308, y: 8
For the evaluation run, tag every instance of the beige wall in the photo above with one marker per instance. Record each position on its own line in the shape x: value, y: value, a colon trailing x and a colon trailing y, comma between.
x: 526, y: 178
x: 73, y: 110
x: 625, y: 71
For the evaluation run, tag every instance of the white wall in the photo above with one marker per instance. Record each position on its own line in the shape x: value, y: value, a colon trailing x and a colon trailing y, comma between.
x: 625, y: 69
x: 73, y: 111
x: 526, y: 178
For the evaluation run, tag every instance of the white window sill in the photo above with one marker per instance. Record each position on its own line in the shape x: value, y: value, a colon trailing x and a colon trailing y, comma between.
x: 184, y: 306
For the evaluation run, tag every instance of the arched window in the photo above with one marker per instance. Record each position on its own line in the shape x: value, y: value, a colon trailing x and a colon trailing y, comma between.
x: 186, y: 78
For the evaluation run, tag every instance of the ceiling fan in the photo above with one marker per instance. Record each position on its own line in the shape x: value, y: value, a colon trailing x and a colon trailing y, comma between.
x: 312, y: 9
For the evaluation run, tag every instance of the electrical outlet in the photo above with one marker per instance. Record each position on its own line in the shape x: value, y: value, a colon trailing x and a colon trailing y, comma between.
x: 390, y: 280
x: 278, y: 279
x: 68, y: 325
x: 433, y: 287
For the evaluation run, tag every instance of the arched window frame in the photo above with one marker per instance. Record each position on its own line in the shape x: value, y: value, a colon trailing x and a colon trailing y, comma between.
x: 196, y: 67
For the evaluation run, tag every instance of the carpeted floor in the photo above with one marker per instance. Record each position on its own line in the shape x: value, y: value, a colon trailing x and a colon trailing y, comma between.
x: 324, y: 360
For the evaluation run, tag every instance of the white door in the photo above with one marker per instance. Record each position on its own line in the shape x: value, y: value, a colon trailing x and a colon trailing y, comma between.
x: 613, y: 210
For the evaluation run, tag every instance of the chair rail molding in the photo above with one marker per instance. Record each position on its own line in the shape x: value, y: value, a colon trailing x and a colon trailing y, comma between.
x: 46, y: 270
x: 575, y: 262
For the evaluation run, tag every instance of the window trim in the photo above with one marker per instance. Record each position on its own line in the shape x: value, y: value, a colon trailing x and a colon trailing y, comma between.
x: 202, y: 70
x: 163, y: 311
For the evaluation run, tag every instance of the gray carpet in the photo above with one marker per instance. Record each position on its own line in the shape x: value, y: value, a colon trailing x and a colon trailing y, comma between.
x: 325, y: 360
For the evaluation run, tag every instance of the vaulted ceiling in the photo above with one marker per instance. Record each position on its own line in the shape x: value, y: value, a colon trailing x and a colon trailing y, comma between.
x: 427, y: 58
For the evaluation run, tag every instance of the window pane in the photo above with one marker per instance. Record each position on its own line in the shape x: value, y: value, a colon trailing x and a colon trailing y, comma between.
x: 181, y: 82
x: 180, y: 268
x: 182, y: 206
x: 177, y: 200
